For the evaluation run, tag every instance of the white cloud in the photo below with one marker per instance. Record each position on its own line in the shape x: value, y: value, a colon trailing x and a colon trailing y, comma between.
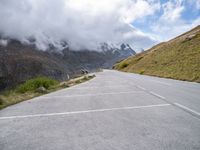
x: 3, y: 42
x: 171, y: 23
x: 82, y: 23
x: 86, y: 23
x: 139, y: 9
x: 172, y: 11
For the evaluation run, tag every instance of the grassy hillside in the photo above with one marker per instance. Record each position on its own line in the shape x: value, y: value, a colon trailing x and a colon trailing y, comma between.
x: 178, y: 58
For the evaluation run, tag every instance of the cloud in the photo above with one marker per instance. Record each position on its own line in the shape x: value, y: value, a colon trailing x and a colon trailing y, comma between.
x: 82, y: 23
x: 171, y: 22
x: 172, y: 11
x: 3, y: 42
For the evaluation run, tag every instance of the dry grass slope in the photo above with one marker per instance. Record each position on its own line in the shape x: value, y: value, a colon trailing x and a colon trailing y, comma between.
x: 178, y: 58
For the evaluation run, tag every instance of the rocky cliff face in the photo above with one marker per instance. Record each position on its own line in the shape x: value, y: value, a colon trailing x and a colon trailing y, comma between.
x: 19, y: 62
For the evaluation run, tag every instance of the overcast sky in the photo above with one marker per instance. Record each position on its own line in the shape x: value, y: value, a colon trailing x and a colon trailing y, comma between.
x: 86, y: 23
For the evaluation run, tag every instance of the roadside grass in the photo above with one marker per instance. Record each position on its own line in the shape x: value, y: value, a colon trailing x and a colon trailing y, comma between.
x: 34, y: 84
x: 178, y: 59
x: 29, y: 90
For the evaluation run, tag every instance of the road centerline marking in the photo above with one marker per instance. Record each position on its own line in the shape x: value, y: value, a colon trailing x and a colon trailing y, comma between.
x: 84, y: 111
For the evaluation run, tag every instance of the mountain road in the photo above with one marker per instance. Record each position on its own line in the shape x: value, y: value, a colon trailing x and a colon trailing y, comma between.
x: 113, y: 111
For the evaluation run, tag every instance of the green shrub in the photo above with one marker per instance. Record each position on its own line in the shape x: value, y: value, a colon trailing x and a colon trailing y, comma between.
x: 142, y: 72
x: 1, y: 101
x: 33, y: 84
x: 124, y: 65
x: 78, y: 81
x: 7, y: 93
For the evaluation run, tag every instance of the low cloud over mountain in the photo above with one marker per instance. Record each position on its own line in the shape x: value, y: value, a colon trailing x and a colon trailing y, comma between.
x: 83, y: 24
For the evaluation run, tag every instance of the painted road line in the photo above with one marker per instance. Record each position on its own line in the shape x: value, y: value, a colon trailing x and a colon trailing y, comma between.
x: 187, y: 109
x: 157, y: 95
x: 94, y: 87
x: 81, y: 95
x: 82, y: 112
x: 141, y: 87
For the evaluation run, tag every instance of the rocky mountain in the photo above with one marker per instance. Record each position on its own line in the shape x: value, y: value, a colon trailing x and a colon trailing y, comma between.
x: 19, y: 61
x: 178, y: 58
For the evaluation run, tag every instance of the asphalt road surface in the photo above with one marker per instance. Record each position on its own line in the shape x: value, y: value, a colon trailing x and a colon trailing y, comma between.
x: 113, y: 111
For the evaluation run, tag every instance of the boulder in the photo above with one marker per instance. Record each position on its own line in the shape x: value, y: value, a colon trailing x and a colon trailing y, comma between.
x: 64, y: 84
x: 41, y: 90
x: 189, y: 37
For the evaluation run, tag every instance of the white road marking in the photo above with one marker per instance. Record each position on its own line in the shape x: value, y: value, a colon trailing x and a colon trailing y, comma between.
x: 96, y: 87
x: 157, y: 95
x: 81, y: 95
x: 187, y: 109
x: 82, y: 112
x: 141, y: 87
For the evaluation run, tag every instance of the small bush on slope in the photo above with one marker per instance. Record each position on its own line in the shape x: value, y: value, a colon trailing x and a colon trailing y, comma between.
x: 33, y: 84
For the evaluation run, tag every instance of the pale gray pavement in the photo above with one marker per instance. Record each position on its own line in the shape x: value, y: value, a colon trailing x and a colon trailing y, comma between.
x: 113, y: 111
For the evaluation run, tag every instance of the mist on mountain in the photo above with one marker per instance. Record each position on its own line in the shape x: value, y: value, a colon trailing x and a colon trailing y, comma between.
x: 81, y: 24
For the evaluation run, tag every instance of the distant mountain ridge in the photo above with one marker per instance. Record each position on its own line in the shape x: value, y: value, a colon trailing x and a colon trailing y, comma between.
x: 178, y: 58
x: 21, y: 61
